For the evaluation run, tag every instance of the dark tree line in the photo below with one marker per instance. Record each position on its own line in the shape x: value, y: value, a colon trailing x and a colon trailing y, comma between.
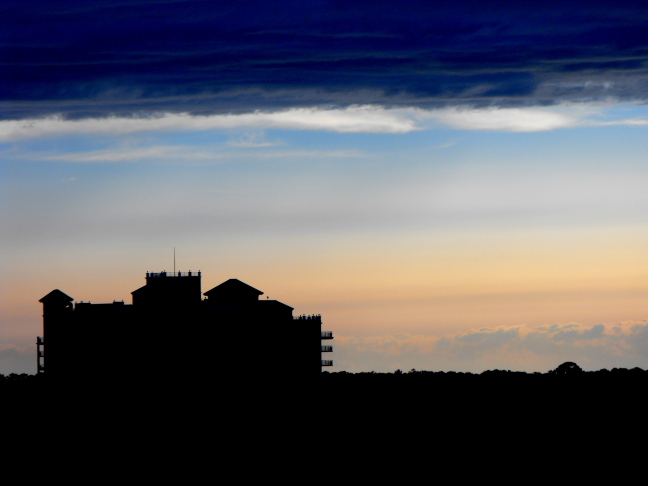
x: 568, y: 368
x: 276, y: 378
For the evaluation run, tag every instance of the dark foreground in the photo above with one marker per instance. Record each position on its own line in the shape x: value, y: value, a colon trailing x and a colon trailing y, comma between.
x: 498, y: 426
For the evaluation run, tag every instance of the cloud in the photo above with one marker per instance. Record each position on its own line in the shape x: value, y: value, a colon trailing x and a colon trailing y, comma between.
x: 16, y: 359
x: 353, y: 119
x: 637, y: 122
x: 253, y: 140
x: 446, y: 145
x: 518, y: 348
x: 179, y: 154
x: 187, y: 57
x: 119, y: 155
x: 506, y: 119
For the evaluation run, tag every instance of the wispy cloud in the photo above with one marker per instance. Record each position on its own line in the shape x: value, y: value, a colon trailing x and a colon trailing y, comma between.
x: 253, y: 140
x: 636, y: 122
x: 354, y: 119
x: 180, y: 155
x: 118, y: 155
x: 506, y: 119
x: 445, y: 145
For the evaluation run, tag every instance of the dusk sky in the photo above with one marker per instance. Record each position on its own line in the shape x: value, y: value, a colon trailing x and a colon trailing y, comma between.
x: 452, y: 185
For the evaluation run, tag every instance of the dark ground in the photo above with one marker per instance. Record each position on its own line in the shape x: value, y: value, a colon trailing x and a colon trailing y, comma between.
x: 497, y: 427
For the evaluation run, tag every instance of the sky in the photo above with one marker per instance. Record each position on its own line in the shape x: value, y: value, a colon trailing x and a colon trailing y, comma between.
x: 454, y: 186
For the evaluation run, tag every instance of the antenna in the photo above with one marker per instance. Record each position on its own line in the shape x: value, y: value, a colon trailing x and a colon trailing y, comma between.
x: 174, y: 259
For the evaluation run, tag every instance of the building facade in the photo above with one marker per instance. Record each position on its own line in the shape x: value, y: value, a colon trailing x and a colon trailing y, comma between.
x: 171, y: 329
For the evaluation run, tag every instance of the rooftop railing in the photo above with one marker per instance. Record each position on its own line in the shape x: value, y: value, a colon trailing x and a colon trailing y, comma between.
x: 172, y: 274
x: 313, y: 317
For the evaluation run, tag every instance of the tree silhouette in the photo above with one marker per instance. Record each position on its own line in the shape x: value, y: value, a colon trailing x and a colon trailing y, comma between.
x: 567, y: 368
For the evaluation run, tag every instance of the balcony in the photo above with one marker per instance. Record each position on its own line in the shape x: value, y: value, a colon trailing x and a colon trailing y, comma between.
x: 327, y: 362
x: 327, y: 349
x: 40, y: 355
x: 327, y: 334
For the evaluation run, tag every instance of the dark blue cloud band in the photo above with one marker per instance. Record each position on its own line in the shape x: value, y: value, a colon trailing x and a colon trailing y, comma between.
x: 118, y: 57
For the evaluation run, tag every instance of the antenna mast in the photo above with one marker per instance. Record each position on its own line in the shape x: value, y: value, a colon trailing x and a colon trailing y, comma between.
x: 174, y: 260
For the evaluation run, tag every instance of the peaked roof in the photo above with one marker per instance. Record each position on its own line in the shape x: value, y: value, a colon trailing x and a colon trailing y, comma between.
x: 233, y: 285
x: 141, y: 289
x: 56, y: 295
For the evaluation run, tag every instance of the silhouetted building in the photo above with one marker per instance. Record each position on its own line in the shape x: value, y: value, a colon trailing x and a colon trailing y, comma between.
x: 170, y: 330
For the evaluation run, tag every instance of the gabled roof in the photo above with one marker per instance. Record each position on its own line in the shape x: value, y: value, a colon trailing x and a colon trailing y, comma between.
x: 56, y: 295
x: 141, y: 289
x: 231, y: 286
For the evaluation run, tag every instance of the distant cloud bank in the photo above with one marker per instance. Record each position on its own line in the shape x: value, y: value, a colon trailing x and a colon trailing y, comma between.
x: 16, y: 359
x: 518, y: 348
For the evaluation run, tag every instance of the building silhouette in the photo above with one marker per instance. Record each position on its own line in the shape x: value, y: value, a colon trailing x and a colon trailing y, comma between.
x: 171, y: 331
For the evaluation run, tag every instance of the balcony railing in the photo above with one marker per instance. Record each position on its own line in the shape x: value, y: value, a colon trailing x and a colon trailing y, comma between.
x: 327, y: 362
x: 40, y: 355
x: 327, y: 349
x: 327, y: 334
x: 314, y: 317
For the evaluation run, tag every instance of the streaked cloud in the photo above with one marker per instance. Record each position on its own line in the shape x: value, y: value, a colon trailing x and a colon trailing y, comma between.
x: 628, y: 123
x: 118, y: 155
x: 253, y: 140
x: 237, y: 56
x: 506, y: 119
x: 353, y: 119
x: 179, y: 155
x: 446, y: 145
